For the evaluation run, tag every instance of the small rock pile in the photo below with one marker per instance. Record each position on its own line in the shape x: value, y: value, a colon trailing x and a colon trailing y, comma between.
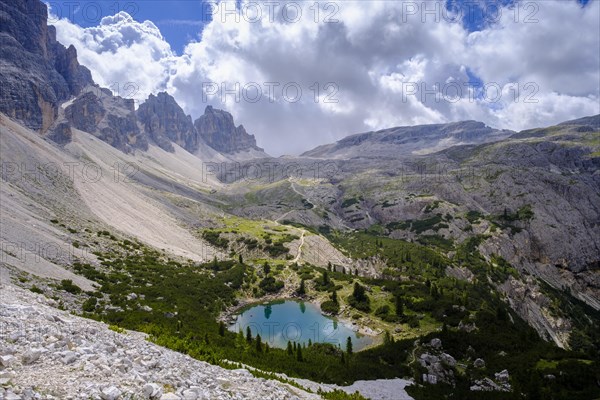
x: 501, y: 383
x: 439, y: 364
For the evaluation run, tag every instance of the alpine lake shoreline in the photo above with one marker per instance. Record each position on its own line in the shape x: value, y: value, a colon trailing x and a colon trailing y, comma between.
x: 230, y: 316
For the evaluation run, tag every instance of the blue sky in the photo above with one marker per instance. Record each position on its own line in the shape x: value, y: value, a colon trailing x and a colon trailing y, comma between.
x: 179, y: 21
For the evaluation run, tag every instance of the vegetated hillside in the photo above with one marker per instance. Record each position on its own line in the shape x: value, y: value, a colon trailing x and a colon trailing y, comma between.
x: 532, y: 199
x: 423, y: 258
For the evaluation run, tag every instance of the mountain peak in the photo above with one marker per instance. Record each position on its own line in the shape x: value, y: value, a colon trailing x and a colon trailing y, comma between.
x: 32, y: 94
x: 218, y: 130
x: 164, y: 121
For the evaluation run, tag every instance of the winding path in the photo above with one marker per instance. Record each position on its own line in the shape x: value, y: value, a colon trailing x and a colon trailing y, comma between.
x: 295, y: 260
x: 283, y: 215
x: 415, y: 348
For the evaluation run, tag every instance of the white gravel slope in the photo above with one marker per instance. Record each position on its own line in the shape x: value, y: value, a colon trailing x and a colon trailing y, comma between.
x: 122, y: 203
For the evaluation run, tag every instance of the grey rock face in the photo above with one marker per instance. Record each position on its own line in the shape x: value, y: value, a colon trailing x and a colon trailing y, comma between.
x: 448, y: 359
x: 67, y: 65
x: 86, y: 112
x: 502, y: 376
x: 217, y: 129
x: 528, y: 301
x: 163, y: 121
x: 61, y: 133
x: 436, y: 370
x: 110, y: 118
x: 36, y: 72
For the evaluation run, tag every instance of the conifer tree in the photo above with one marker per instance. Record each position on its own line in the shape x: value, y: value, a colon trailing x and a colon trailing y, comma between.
x: 349, y: 345
x: 258, y: 343
x: 302, y: 288
x: 399, y: 306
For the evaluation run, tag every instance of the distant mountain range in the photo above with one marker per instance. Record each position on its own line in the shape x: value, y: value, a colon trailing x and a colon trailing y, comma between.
x: 409, y: 140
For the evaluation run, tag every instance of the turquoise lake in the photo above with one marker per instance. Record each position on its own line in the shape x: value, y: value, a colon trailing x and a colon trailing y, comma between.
x: 280, y: 321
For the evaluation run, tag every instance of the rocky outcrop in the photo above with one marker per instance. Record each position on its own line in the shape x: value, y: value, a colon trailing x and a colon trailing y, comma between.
x: 36, y: 72
x: 217, y: 129
x: 110, y: 118
x: 61, y: 133
x: 439, y: 365
x: 50, y: 354
x: 86, y: 112
x: 526, y: 298
x: 500, y: 383
x: 164, y: 121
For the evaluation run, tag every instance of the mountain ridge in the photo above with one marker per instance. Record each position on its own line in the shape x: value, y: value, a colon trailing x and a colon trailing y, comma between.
x: 409, y: 140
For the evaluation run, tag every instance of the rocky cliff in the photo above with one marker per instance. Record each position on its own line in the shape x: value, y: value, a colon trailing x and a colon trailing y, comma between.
x: 217, y: 129
x: 110, y: 118
x: 164, y: 121
x: 36, y: 72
